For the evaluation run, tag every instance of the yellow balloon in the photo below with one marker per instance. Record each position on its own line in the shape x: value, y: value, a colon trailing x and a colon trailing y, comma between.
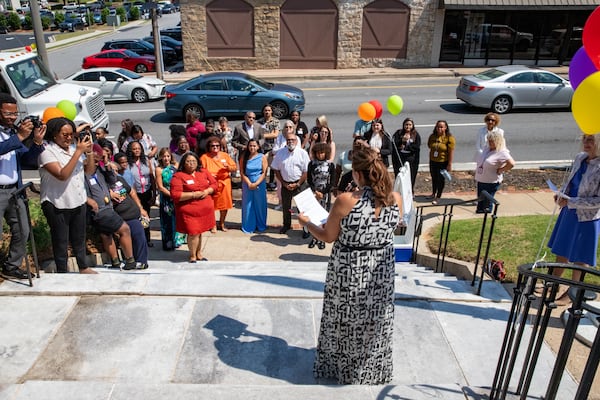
x: 584, y: 104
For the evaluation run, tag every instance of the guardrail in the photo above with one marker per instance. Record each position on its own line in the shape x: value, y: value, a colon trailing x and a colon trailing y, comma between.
x: 515, y: 337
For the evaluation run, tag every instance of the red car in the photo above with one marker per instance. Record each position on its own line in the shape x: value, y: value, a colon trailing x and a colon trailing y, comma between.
x: 120, y: 58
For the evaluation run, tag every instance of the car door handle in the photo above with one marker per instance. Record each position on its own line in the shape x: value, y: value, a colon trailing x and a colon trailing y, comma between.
x: 232, y: 97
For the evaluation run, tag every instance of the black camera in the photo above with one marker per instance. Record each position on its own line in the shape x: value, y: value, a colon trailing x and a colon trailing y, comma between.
x: 35, y: 120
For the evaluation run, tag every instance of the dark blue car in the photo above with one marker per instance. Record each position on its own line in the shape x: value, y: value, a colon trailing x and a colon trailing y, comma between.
x: 231, y: 93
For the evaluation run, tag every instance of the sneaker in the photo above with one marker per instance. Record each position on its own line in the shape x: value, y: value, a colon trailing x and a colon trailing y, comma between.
x: 278, y: 207
x: 130, y: 265
x: 141, y: 266
x: 305, y: 234
x: 321, y: 245
x: 312, y: 243
x: 15, y: 273
x: 118, y: 266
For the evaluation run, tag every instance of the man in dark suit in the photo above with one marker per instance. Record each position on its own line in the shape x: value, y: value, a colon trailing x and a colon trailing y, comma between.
x: 247, y: 130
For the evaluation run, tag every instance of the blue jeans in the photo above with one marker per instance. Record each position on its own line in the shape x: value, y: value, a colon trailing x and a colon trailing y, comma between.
x: 491, y: 188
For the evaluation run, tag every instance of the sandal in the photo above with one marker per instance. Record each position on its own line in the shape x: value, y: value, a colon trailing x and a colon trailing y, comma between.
x: 223, y: 228
x: 192, y: 260
x: 434, y: 202
x: 213, y: 229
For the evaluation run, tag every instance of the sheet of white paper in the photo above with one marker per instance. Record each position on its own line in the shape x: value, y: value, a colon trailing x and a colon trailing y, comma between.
x: 553, y: 187
x: 308, y: 204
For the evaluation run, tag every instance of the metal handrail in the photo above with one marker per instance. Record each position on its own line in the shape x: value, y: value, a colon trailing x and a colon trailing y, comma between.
x: 515, y: 335
x: 445, y: 232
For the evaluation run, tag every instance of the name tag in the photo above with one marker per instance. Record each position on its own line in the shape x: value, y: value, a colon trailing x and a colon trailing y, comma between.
x: 93, y: 181
x: 190, y: 181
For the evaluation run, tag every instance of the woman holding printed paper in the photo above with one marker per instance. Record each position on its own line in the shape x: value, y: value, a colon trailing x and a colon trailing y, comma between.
x: 575, y: 235
x: 355, y: 339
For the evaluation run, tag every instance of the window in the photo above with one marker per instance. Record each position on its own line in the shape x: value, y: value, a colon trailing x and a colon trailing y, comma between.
x: 542, y: 77
x: 525, y: 77
x: 214, y: 84
x: 240, y: 86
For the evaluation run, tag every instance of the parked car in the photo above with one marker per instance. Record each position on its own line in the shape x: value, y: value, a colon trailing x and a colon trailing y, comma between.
x: 515, y: 86
x: 141, y: 47
x: 231, y: 93
x: 120, y: 58
x: 120, y: 84
x: 169, y: 42
x: 97, y: 17
x: 175, y: 33
x: 168, y: 9
x: 71, y: 24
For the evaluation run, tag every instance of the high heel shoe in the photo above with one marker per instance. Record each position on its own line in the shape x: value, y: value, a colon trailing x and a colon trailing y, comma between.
x: 312, y: 243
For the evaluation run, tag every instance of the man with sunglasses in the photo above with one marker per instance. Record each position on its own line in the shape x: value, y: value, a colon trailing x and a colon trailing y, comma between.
x: 13, y: 156
x: 249, y: 129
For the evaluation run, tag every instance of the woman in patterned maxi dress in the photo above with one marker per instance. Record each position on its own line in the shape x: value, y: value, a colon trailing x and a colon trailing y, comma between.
x: 355, y: 338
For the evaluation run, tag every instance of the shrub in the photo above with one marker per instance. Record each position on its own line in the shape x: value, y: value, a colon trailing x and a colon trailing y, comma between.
x: 14, y: 22
x: 134, y: 12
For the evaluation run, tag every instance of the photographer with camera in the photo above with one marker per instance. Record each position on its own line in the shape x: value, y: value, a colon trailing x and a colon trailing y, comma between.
x: 13, y: 156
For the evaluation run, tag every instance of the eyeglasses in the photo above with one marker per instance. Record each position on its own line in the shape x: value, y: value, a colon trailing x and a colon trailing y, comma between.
x: 289, y: 126
x: 291, y: 140
x: 10, y: 113
x: 250, y: 117
x: 490, y: 120
x: 215, y: 145
x: 66, y: 135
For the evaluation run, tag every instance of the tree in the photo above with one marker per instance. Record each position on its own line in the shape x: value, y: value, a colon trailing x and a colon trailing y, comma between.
x: 105, y: 12
x: 134, y: 12
x: 14, y: 22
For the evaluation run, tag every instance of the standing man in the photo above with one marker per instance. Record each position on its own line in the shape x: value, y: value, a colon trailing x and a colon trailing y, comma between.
x: 247, y: 130
x: 13, y: 155
x: 291, y: 167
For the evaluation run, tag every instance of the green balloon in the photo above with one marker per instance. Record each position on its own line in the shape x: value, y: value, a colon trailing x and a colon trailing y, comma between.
x: 395, y: 104
x: 68, y: 108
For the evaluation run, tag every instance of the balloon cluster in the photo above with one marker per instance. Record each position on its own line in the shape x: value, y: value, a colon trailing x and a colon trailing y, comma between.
x: 373, y: 109
x: 64, y: 109
x: 584, y: 74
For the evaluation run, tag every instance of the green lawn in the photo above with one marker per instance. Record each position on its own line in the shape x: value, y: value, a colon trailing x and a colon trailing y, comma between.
x: 516, y: 241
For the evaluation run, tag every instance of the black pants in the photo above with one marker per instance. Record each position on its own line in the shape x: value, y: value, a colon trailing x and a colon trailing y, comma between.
x: 146, y: 200
x: 437, y: 180
x: 286, y: 204
x: 66, y: 226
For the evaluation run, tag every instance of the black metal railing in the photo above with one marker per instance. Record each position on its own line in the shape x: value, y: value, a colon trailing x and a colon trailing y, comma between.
x: 484, y: 242
x: 516, y: 338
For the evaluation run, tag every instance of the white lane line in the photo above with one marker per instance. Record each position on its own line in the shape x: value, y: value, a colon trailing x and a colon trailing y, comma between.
x: 134, y: 111
x: 436, y: 100
x: 451, y: 125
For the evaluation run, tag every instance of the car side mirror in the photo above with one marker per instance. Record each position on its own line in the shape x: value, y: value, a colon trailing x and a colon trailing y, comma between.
x: 254, y: 90
x: 120, y: 80
x: 102, y: 79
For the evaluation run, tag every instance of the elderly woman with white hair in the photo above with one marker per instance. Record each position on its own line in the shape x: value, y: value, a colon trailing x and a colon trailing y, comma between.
x: 492, y: 163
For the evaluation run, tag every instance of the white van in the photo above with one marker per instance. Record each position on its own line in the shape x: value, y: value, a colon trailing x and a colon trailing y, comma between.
x: 26, y: 78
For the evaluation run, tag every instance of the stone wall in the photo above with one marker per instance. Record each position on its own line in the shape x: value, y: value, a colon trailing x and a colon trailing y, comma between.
x: 267, y: 36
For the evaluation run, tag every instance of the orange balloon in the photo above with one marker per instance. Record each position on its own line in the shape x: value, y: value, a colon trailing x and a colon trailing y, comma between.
x: 367, y: 112
x: 52, y: 112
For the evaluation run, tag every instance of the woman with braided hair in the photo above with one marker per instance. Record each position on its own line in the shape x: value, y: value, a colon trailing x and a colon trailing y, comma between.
x: 355, y: 338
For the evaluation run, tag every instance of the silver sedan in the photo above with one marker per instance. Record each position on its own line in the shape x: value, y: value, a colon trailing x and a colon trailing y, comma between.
x: 120, y: 84
x: 515, y: 86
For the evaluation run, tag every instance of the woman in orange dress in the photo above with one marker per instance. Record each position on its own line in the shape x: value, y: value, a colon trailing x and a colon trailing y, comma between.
x: 220, y: 165
x: 191, y: 190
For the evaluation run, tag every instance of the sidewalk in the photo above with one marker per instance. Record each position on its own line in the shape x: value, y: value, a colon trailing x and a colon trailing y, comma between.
x: 245, y: 325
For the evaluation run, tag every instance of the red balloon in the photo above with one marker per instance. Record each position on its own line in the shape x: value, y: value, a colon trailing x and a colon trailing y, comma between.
x: 28, y: 48
x: 378, y: 108
x: 591, y: 37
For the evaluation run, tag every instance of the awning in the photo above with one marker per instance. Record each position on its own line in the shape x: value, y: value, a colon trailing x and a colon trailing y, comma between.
x: 548, y: 5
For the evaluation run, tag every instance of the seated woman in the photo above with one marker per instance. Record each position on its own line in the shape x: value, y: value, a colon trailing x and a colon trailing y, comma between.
x: 105, y: 219
x: 191, y: 188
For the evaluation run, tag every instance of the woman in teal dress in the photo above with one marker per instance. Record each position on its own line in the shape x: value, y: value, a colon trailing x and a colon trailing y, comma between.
x: 167, y: 166
x: 253, y: 168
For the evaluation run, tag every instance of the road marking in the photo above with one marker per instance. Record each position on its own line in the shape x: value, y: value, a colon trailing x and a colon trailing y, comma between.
x: 440, y: 100
x: 132, y: 110
x: 378, y: 87
x: 453, y: 125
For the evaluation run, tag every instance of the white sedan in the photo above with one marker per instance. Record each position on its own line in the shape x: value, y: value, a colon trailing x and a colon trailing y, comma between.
x: 120, y: 84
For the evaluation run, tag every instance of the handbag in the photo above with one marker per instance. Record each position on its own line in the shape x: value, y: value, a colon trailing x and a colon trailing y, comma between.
x: 495, y: 269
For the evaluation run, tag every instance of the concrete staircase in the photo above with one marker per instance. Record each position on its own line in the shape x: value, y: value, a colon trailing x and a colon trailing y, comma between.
x: 226, y: 330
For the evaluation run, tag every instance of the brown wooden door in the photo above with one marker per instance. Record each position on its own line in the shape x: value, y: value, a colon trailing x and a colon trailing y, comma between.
x: 385, y: 29
x: 229, y: 29
x: 308, y: 34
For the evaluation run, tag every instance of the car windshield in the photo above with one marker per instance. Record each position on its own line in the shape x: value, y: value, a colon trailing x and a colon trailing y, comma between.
x: 130, y: 53
x: 128, y: 73
x: 489, y: 74
x: 30, y: 77
x: 259, y: 82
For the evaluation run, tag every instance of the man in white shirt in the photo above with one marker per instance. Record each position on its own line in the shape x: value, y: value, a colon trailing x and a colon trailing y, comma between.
x: 291, y: 167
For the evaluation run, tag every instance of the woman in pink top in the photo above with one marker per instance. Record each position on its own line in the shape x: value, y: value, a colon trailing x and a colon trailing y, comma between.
x: 491, y: 165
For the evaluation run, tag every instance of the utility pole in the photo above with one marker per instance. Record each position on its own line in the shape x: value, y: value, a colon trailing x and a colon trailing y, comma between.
x: 157, y: 45
x: 38, y: 32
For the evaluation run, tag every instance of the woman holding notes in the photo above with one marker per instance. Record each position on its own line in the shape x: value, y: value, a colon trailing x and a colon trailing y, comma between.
x: 355, y: 338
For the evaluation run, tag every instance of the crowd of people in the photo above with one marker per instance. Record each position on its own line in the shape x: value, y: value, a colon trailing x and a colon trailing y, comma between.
x: 89, y: 181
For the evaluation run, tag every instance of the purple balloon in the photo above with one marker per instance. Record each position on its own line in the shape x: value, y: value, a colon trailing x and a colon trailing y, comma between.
x: 580, y: 68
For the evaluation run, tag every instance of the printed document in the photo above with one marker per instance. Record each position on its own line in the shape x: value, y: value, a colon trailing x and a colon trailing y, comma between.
x: 307, y: 203
x: 553, y: 187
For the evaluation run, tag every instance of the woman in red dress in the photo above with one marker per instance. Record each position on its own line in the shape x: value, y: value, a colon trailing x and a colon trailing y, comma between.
x: 191, y: 190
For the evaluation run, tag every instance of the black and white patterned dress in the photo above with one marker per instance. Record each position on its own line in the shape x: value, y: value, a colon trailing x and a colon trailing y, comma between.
x: 355, y: 339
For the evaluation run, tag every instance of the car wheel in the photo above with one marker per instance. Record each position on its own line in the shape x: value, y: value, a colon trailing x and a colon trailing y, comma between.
x: 502, y: 104
x: 141, y: 68
x: 280, y: 109
x: 195, y: 108
x: 139, y: 95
